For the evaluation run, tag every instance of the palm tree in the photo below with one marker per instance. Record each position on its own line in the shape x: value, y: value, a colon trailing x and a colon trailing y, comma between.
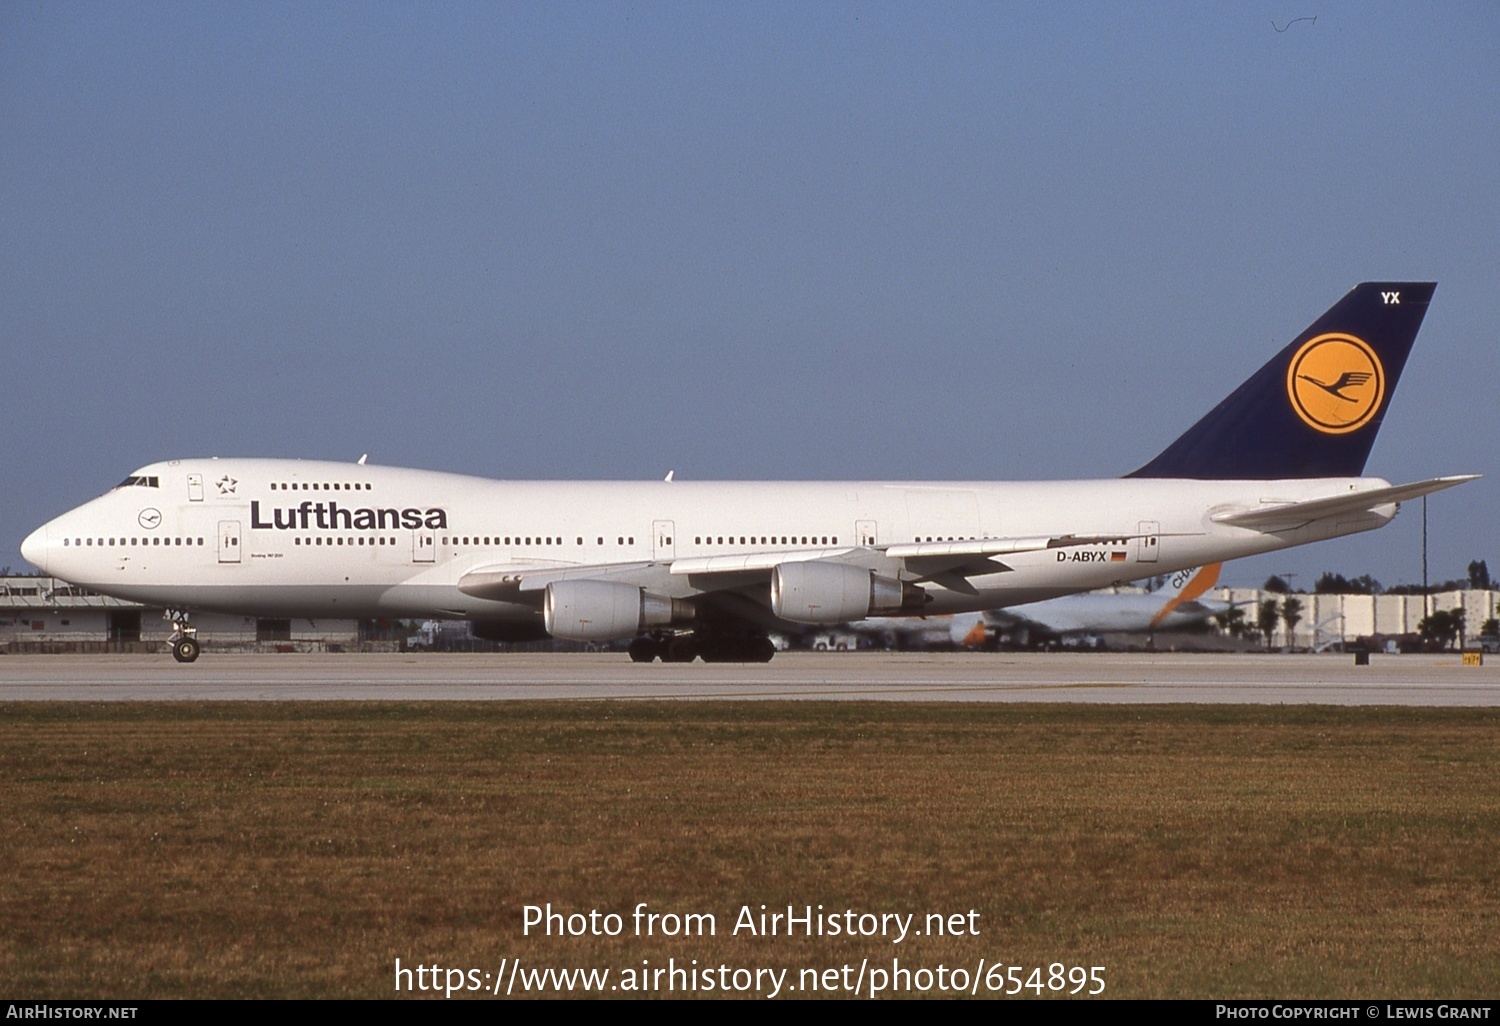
x: 1265, y: 618
x: 1291, y: 615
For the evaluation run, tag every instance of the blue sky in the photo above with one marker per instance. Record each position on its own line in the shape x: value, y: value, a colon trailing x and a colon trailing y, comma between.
x: 973, y: 241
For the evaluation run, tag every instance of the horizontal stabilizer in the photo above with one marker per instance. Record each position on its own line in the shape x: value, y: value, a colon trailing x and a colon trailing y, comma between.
x: 1294, y: 513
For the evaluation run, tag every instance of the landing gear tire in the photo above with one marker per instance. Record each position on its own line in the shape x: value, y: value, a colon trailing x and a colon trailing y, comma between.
x: 643, y: 650
x: 680, y: 650
x: 186, y: 650
x: 740, y: 650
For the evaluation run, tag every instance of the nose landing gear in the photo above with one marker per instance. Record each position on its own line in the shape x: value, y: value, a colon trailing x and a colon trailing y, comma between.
x: 184, y: 640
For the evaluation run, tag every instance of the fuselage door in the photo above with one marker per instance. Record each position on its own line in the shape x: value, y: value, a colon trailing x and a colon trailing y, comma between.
x: 229, y: 541
x: 864, y: 530
x: 1150, y: 541
x: 423, y: 547
x: 664, y: 543
x: 195, y: 488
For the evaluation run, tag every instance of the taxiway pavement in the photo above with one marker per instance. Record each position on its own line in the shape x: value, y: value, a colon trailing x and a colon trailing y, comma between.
x: 1411, y: 680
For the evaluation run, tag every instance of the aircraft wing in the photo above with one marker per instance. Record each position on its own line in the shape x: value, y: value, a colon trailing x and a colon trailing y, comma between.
x: 923, y: 560
x: 1295, y: 514
x: 763, y: 563
x: 522, y: 583
x: 929, y: 560
x: 949, y: 563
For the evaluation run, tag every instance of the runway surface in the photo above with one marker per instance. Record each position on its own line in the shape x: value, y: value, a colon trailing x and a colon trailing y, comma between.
x: 865, y: 676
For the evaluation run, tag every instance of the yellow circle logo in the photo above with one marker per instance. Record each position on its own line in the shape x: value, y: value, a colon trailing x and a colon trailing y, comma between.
x: 1335, y: 383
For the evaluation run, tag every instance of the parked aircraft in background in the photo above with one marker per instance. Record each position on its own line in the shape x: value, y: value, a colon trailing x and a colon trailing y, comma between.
x: 1177, y: 605
x: 709, y: 569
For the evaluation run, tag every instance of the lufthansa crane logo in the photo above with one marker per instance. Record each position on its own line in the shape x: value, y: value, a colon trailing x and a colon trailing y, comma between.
x: 1335, y: 383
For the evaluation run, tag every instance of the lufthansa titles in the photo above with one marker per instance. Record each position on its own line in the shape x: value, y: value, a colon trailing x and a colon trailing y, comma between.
x: 332, y: 516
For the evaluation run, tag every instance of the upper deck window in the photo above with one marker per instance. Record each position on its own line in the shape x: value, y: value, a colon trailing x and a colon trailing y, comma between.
x: 135, y: 481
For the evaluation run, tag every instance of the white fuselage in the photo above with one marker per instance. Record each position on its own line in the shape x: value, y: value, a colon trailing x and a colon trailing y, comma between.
x: 302, y: 538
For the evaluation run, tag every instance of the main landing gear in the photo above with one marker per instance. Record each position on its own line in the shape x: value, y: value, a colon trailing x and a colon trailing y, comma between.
x: 184, y: 640
x: 684, y: 648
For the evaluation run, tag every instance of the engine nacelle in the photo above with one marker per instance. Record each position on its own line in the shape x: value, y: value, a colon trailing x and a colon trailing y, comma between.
x: 606, y: 611
x: 817, y: 592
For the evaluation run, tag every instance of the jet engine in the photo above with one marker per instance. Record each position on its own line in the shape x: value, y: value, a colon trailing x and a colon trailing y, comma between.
x: 607, y: 611
x: 817, y: 592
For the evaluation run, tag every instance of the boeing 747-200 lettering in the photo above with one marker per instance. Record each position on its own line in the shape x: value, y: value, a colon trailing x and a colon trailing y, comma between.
x: 689, y: 569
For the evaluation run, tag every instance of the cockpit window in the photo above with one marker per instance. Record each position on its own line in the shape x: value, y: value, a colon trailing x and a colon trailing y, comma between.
x: 135, y: 481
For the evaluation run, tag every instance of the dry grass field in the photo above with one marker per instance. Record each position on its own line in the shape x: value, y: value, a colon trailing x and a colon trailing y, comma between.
x: 298, y: 850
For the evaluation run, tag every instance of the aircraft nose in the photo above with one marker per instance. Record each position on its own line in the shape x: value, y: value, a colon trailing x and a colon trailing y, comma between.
x: 34, y: 548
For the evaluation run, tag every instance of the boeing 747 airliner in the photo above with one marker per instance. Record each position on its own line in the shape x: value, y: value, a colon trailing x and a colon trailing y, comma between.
x: 709, y: 569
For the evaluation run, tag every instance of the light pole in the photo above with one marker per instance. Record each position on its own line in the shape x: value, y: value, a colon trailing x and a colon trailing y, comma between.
x: 1426, y: 595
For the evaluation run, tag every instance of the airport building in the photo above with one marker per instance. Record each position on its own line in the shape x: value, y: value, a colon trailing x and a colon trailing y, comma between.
x: 42, y: 614
x: 46, y: 614
x: 1331, y: 620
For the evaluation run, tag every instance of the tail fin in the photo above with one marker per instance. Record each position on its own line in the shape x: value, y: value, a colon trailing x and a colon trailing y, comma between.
x: 1313, y: 411
x: 1187, y: 586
